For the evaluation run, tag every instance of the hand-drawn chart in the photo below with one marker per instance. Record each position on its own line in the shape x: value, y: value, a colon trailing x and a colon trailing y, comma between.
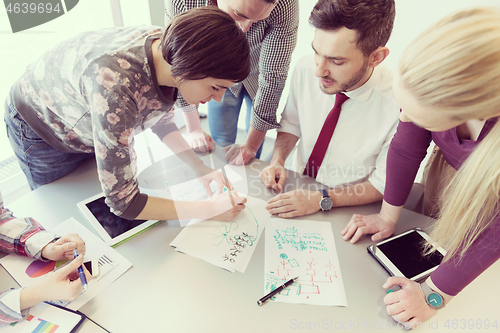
x: 305, y: 249
x: 229, y: 245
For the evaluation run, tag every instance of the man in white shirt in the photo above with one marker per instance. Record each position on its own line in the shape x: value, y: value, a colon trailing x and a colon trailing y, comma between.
x: 349, y: 45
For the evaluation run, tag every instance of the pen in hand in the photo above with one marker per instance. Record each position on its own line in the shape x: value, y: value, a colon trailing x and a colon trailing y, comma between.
x: 275, y: 291
x: 83, y: 278
x: 228, y: 191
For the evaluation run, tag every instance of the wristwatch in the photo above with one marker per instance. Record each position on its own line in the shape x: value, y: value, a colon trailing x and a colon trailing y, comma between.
x: 326, y: 202
x: 432, y: 298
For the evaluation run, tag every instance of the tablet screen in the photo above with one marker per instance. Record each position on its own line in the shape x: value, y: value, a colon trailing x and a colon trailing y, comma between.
x: 405, y: 253
x: 114, y: 225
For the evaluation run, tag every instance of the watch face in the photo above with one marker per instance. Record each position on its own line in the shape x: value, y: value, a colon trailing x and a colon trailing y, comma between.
x: 326, y: 203
x: 434, y: 300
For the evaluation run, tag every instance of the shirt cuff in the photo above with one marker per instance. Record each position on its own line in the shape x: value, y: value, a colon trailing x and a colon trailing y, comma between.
x: 261, y: 125
x: 10, y: 305
x: 136, y: 206
x: 36, y: 243
x: 164, y: 130
x: 286, y: 128
x: 189, y: 108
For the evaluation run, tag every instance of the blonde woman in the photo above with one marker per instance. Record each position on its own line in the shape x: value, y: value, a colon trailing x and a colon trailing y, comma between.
x: 448, y: 86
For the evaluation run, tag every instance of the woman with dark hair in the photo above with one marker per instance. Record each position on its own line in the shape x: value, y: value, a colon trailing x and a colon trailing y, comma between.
x: 89, y: 96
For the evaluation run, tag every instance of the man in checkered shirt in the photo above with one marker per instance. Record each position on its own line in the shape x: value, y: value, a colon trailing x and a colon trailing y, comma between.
x: 271, y: 29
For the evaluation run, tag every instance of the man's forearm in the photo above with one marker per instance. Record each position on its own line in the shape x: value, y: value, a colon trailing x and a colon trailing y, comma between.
x: 283, y: 147
x: 355, y: 195
x: 255, y: 138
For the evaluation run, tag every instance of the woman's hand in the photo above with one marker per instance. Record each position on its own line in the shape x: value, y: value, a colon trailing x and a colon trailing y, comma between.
x: 408, y: 305
x: 377, y: 224
x: 226, y: 206
x: 62, y: 285
x: 206, y: 175
x: 63, y: 248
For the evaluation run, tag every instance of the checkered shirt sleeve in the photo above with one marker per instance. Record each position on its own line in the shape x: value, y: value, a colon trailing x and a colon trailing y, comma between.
x: 272, y: 42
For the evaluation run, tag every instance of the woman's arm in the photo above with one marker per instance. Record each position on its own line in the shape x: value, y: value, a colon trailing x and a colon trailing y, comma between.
x: 220, y: 207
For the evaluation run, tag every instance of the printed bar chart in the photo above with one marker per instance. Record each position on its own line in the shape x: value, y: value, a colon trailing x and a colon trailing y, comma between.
x: 45, y: 327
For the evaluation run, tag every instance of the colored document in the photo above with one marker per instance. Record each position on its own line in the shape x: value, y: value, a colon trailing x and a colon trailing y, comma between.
x: 305, y: 249
x: 27, y: 271
x: 45, y: 318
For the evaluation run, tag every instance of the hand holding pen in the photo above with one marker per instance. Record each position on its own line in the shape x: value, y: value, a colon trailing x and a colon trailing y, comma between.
x: 81, y: 273
x: 61, y: 285
x: 226, y: 205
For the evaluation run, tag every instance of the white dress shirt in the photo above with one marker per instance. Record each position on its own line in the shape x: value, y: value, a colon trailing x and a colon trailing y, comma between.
x: 359, y: 145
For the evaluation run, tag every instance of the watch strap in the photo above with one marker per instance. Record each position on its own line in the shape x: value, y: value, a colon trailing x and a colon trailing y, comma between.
x: 324, y: 193
x: 432, y: 298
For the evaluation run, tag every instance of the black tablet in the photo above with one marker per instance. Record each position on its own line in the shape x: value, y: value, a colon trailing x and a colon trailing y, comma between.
x: 112, y: 228
x: 402, y: 255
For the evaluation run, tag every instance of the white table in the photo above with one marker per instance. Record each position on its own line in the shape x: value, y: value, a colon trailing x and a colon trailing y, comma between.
x: 166, y: 291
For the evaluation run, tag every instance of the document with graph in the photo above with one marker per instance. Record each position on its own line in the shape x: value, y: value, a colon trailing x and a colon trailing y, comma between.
x: 46, y: 318
x: 27, y: 271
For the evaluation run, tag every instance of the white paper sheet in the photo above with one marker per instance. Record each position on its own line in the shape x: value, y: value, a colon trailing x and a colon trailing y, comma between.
x: 305, y: 249
x: 111, y: 264
x: 229, y: 245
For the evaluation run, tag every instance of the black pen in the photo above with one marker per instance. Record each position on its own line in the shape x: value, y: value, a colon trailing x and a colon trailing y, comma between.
x: 277, y: 290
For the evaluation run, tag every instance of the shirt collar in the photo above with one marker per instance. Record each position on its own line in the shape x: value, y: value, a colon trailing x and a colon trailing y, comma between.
x: 364, y: 92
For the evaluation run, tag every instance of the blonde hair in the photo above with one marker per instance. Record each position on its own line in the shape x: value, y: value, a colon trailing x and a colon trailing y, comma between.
x: 454, y: 67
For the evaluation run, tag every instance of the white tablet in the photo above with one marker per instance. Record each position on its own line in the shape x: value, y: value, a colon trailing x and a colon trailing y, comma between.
x: 112, y: 229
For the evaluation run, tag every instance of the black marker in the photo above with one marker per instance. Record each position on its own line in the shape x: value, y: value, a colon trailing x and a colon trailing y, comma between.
x: 275, y: 291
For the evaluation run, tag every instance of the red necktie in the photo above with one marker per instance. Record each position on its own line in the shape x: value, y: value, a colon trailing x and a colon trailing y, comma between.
x: 324, y: 138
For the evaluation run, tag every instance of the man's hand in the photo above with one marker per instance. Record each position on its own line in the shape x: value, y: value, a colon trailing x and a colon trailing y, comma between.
x: 377, y: 224
x: 201, y: 141
x: 239, y: 154
x: 63, y: 248
x: 274, y: 177
x: 295, y: 203
x: 408, y: 305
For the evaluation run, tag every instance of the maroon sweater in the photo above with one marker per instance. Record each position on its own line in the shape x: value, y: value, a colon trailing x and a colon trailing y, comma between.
x: 408, y: 149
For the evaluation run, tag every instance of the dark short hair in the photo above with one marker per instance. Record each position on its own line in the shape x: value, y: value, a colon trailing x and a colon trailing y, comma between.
x: 206, y: 42
x: 372, y: 19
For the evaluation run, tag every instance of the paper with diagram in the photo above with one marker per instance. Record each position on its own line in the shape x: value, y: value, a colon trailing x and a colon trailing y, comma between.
x: 27, y: 271
x: 229, y: 245
x: 305, y: 249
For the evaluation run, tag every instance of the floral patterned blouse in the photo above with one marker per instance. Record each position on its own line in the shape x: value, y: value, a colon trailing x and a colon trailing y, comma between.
x: 91, y: 94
